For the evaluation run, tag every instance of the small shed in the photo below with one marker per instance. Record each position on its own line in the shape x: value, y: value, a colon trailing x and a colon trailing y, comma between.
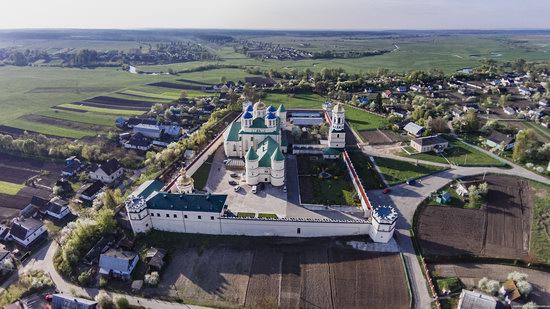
x: 443, y: 198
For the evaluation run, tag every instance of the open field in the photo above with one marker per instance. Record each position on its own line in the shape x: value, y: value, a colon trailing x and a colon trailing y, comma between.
x: 501, y: 229
x: 361, y: 120
x: 395, y: 171
x: 49, y: 129
x: 424, y: 52
x: 87, y: 117
x: 458, y: 153
x: 279, y: 273
x: 313, y: 101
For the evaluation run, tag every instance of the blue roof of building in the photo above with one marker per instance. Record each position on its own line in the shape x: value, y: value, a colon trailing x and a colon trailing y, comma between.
x: 271, y: 116
x: 271, y: 108
x: 187, y: 202
x: 247, y: 115
x: 249, y: 108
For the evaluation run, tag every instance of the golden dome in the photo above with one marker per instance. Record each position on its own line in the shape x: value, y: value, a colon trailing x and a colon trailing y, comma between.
x: 339, y: 108
x: 184, y: 179
x: 259, y: 105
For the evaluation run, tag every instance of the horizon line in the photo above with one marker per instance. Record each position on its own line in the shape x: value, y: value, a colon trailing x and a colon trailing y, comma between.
x: 278, y: 29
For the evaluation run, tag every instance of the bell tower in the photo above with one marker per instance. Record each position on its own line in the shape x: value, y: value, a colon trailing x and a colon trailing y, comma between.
x: 337, y: 135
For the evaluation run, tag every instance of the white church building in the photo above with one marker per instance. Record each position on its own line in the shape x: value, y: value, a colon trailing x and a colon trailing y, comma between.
x: 258, y: 138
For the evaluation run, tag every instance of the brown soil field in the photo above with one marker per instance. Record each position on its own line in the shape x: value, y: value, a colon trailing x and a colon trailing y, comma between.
x: 69, y: 109
x: 10, y: 205
x: 70, y: 89
x: 64, y: 123
x: 500, y: 229
x: 284, y: 273
x: 30, y: 163
x: 375, y: 137
x: 265, y: 277
x: 360, y: 268
x: 119, y: 102
x: 11, y: 131
x: 178, y: 86
x: 14, y: 175
x: 188, y: 81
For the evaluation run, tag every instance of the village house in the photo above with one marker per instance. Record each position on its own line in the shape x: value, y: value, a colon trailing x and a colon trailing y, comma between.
x: 434, y: 143
x: 500, y: 141
x: 524, y: 91
x: 509, y: 110
x: 471, y: 107
x: 91, y: 191
x: 476, y: 300
x: 118, y: 263
x: 414, y: 130
x: 26, y: 231
x: 72, y: 167
x: 63, y: 301
x: 107, y: 172
x: 148, y: 130
x: 138, y: 142
x: 57, y: 208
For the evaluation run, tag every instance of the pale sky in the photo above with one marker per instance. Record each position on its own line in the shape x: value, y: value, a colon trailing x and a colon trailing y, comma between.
x: 278, y: 14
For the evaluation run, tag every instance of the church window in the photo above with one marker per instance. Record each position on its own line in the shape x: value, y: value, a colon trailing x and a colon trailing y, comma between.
x: 337, y: 135
x: 167, y: 215
x: 185, y: 216
x: 234, y: 147
x: 211, y: 217
x: 175, y: 216
x: 298, y: 230
x: 200, y: 217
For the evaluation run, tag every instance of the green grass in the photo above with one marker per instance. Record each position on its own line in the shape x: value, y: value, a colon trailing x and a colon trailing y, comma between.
x: 542, y: 131
x: 111, y: 111
x: 268, y: 216
x: 459, y: 154
x: 452, y: 284
x: 246, y: 215
x: 201, y: 175
x: 89, y: 118
x: 332, y: 192
x: 49, y: 129
x: 361, y: 120
x: 313, y: 101
x: 10, y: 188
x: 395, y: 171
x: 540, y: 230
x: 366, y: 171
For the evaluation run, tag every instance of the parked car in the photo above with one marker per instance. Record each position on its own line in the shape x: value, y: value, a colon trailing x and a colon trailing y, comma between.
x: 284, y: 189
x: 386, y: 191
x: 411, y: 182
x: 233, y: 175
x: 237, y: 188
x: 254, y: 189
x: 233, y: 182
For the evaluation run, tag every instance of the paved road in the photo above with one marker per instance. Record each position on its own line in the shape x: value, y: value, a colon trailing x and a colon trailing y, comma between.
x: 43, y: 259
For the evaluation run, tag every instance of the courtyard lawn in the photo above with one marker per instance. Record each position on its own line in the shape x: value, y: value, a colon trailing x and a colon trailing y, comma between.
x: 89, y: 117
x: 49, y: 129
x: 201, y: 175
x: 460, y: 154
x: 540, y: 230
x: 366, y: 171
x: 334, y: 191
x: 361, y: 120
x: 10, y: 188
x: 305, y: 100
x: 395, y: 171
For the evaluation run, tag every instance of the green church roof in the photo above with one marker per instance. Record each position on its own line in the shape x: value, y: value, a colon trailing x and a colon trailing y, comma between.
x: 187, y: 202
x: 278, y: 155
x: 265, y: 151
x: 282, y: 108
x: 234, y: 129
x: 251, y: 154
x: 258, y: 123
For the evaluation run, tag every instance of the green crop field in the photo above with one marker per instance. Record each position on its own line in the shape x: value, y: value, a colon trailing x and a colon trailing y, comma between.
x: 395, y: 171
x: 294, y: 101
x: 49, y: 129
x: 89, y: 117
x: 9, y: 188
x: 361, y: 120
x: 111, y: 111
x: 540, y: 232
